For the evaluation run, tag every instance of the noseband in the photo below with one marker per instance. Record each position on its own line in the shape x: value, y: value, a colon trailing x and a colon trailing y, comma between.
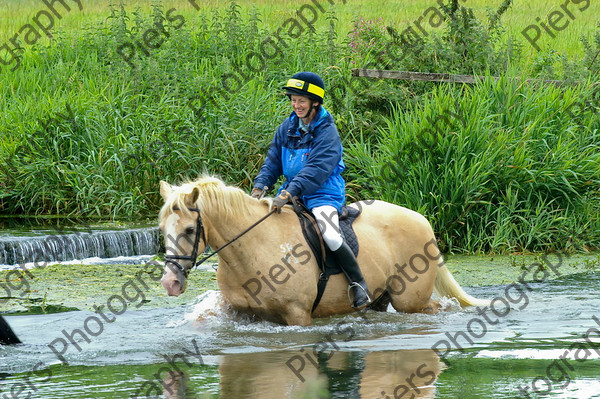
x: 199, y: 234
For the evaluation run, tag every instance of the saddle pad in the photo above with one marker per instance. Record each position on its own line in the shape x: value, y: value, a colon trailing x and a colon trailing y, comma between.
x: 348, y: 217
x: 312, y: 234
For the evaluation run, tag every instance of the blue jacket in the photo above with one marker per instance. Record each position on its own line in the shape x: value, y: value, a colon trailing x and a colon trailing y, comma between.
x: 310, y: 161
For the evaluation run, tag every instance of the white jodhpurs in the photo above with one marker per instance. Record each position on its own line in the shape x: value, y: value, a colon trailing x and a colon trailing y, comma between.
x: 329, y: 224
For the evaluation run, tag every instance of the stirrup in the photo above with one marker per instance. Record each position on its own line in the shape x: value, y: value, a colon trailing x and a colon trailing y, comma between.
x: 355, y: 284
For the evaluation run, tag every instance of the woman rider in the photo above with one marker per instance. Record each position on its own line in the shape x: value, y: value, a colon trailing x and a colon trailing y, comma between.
x: 307, y: 150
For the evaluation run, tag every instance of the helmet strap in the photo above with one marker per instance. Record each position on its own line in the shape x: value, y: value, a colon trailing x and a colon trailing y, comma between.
x: 314, y: 107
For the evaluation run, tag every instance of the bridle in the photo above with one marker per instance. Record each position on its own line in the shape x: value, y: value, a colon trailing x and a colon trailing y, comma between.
x: 200, y: 233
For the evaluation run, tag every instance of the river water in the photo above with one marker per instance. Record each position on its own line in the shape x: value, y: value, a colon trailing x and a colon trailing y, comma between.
x: 546, y: 345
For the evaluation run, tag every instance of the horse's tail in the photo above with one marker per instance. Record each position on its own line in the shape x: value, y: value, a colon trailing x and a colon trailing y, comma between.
x: 446, y: 285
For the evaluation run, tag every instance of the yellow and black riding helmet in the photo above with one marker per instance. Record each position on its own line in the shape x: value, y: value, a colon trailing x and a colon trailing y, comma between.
x: 307, y: 84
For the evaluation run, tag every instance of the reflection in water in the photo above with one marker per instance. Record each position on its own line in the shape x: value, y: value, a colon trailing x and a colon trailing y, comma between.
x: 266, y: 375
x: 262, y: 375
x: 175, y: 385
x: 400, y: 374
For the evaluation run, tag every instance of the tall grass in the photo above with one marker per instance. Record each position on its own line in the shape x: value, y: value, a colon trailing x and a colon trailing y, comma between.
x: 497, y: 167
x: 173, y: 117
x: 16, y: 13
x: 169, y: 118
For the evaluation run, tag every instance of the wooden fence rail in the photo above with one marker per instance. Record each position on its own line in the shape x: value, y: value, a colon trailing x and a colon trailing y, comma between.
x: 433, y: 77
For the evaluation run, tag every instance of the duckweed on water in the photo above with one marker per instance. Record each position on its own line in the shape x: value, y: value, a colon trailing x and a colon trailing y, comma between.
x: 71, y: 287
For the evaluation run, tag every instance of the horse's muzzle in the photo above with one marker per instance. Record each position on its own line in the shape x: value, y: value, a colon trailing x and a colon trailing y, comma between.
x: 174, y: 282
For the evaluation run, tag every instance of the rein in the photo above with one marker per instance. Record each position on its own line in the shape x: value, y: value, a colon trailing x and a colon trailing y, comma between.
x: 201, y: 232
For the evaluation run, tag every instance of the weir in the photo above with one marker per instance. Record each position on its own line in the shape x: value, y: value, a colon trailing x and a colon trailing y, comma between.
x: 69, y: 246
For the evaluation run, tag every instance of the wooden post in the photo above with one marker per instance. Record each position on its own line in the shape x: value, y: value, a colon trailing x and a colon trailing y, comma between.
x: 433, y: 77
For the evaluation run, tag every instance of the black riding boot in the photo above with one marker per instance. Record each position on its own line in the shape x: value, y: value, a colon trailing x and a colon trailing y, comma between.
x: 347, y: 261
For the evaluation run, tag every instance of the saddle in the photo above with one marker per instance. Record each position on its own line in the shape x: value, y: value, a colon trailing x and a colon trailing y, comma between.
x: 322, y: 253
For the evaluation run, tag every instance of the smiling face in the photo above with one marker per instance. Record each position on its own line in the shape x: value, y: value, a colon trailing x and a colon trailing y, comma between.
x: 302, y: 106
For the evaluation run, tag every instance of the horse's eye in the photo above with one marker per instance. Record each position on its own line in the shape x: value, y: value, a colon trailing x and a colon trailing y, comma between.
x: 189, y: 230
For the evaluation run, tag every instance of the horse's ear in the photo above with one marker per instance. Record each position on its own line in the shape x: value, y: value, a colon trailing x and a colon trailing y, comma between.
x: 165, y: 189
x: 191, y: 198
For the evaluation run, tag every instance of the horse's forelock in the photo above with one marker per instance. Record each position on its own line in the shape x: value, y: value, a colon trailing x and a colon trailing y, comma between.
x: 174, y: 202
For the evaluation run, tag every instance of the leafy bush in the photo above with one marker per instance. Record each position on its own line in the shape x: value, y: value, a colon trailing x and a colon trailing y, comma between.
x: 462, y: 45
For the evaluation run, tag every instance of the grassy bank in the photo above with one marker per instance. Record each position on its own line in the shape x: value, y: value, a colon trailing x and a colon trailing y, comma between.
x: 89, y: 132
x: 16, y: 13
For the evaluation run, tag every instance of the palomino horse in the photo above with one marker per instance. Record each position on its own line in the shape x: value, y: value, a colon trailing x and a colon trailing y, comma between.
x: 270, y: 272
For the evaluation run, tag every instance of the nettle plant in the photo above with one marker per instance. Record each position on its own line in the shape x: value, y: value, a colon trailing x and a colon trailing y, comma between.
x: 446, y: 38
x: 367, y: 41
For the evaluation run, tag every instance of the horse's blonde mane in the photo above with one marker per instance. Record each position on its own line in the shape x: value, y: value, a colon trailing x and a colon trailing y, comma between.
x: 213, y: 194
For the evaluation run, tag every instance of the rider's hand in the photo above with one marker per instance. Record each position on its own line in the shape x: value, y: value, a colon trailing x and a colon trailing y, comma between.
x: 257, y: 192
x: 278, y: 202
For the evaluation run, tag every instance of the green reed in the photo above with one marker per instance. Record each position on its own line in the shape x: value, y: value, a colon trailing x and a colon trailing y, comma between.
x: 508, y: 170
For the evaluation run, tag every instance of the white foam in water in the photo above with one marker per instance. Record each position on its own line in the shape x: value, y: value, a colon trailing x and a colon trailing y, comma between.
x: 120, y: 260
x: 448, y: 304
x: 209, y: 304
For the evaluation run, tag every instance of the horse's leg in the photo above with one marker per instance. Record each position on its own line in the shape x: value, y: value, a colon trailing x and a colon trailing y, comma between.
x: 219, y: 308
x: 414, y: 301
x: 413, y: 277
x: 296, y: 315
x: 411, y: 293
x: 432, y: 307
